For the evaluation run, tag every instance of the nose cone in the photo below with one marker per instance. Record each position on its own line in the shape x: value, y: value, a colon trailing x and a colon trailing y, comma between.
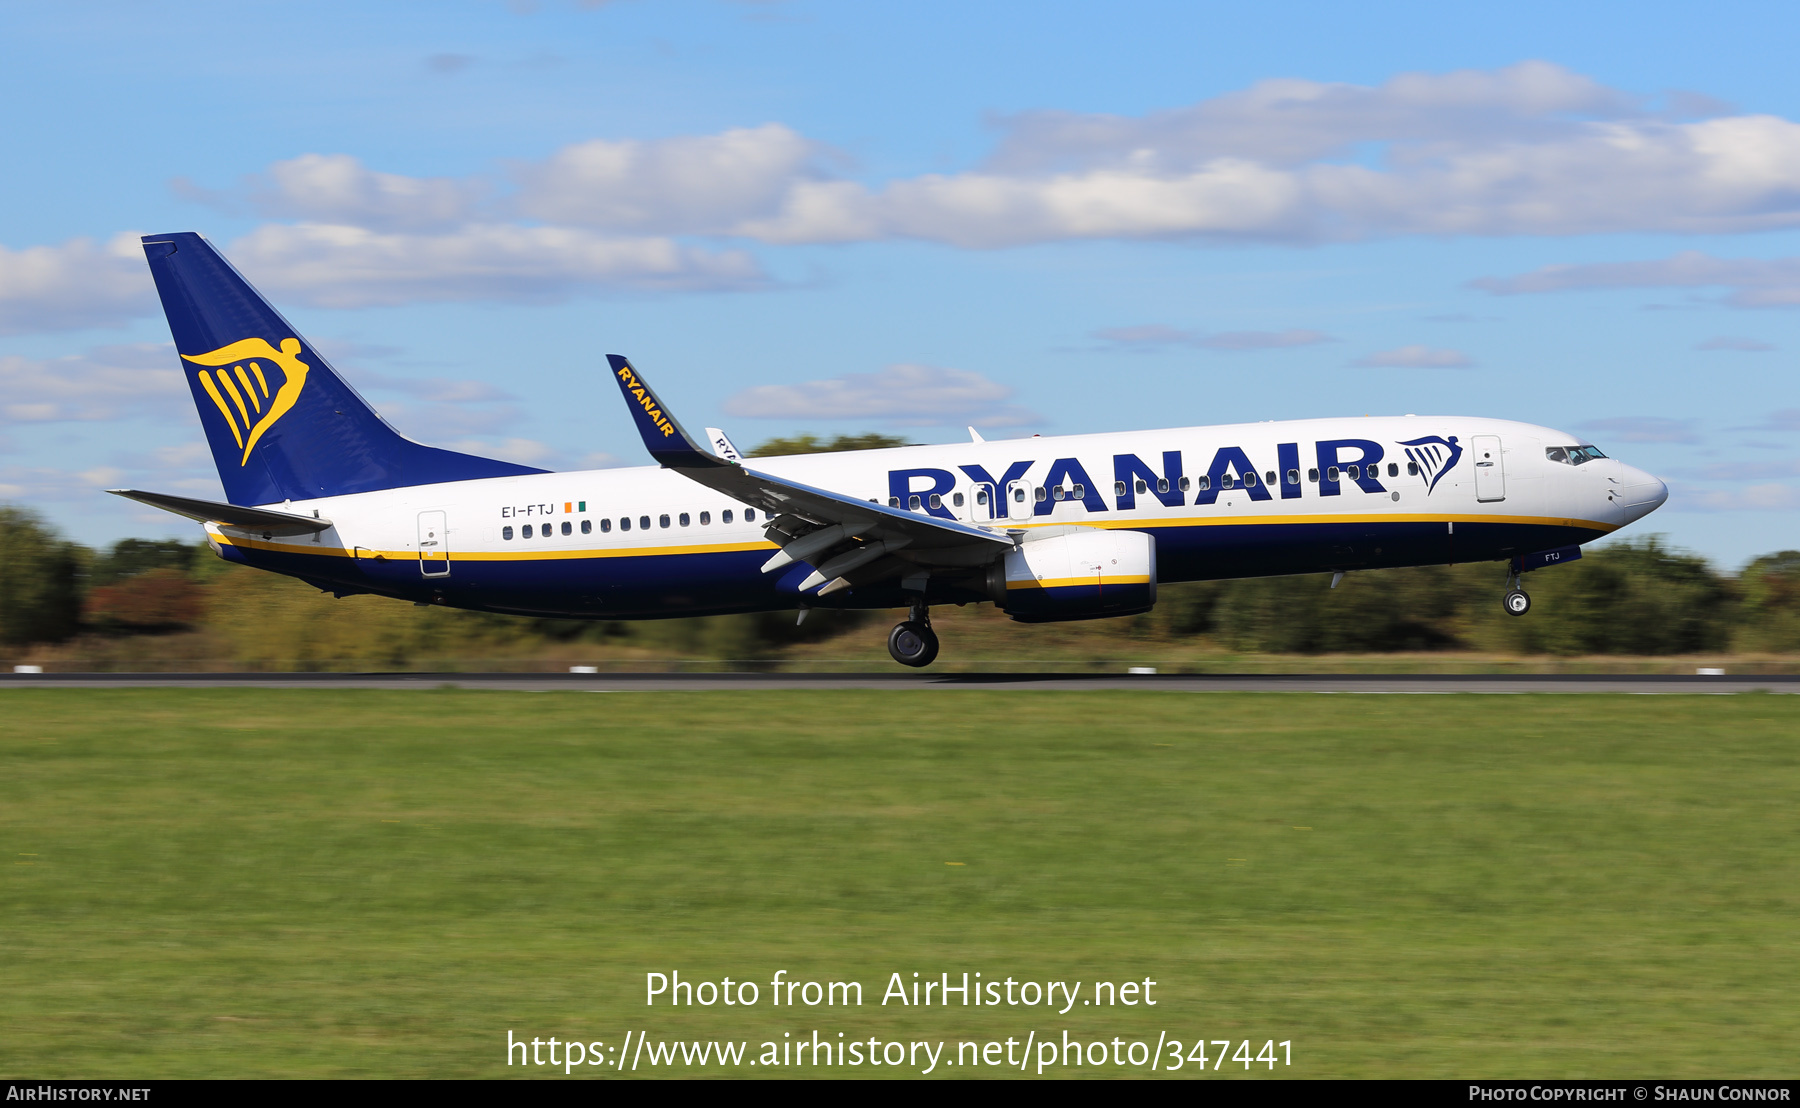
x: 1638, y: 493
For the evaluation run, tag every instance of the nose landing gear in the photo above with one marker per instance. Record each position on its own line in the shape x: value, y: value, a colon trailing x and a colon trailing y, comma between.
x: 912, y: 642
x: 1516, y: 601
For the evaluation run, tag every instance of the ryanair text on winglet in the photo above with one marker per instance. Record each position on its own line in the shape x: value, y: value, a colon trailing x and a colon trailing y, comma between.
x: 644, y: 398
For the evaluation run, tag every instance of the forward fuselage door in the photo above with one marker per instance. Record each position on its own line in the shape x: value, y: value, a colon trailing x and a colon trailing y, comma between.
x: 1018, y: 500
x: 434, y: 545
x: 1490, y: 471
x: 981, y: 504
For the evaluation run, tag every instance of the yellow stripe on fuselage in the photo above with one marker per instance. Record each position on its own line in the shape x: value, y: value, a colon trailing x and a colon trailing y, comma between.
x: 1077, y: 582
x: 577, y: 554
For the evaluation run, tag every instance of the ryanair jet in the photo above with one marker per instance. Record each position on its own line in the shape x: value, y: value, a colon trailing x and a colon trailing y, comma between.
x: 319, y: 487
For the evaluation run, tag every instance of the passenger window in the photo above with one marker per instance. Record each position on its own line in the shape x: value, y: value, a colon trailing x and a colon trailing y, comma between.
x: 1269, y: 477
x: 644, y: 523
x: 936, y: 501
x: 1184, y: 484
x: 1412, y: 469
x: 606, y: 527
x: 981, y: 496
x: 1142, y: 488
x: 1205, y: 483
x: 1162, y: 484
x: 1393, y: 470
x: 587, y: 526
x: 957, y: 500
x: 1331, y: 473
x: 1018, y: 496
x: 725, y: 516
x: 684, y: 519
x: 1227, y: 481
x: 624, y: 523
x: 506, y: 533
x: 1293, y: 477
x: 1056, y: 491
x: 568, y: 528
x: 1038, y: 494
x: 1353, y: 472
x: 1312, y: 475
x: 547, y: 530
x: 893, y: 502
x: 749, y: 515
x: 705, y: 518
x: 662, y: 521
x: 912, y: 503
x: 1080, y: 492
x: 1250, y: 479
x: 525, y: 530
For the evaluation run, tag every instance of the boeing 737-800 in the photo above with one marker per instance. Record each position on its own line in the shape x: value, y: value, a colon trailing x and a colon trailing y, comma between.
x: 319, y: 487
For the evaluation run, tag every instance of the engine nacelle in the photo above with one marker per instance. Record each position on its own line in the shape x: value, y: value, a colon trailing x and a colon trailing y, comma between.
x: 1086, y: 573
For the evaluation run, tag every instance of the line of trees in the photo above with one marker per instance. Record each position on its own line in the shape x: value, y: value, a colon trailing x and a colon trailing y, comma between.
x: 1636, y: 597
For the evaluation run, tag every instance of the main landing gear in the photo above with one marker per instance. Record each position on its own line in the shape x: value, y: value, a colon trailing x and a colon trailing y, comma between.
x: 1516, y: 601
x: 912, y: 642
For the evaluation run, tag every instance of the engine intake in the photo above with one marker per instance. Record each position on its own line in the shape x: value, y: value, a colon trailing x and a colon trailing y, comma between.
x: 1085, y: 574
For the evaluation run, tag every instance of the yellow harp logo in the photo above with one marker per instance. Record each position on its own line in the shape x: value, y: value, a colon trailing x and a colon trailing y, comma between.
x: 252, y: 409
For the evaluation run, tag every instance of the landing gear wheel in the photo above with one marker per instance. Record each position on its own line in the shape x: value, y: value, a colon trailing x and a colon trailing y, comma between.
x: 1517, y: 603
x: 913, y: 643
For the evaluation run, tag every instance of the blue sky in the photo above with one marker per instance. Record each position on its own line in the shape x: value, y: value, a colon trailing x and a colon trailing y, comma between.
x: 797, y: 216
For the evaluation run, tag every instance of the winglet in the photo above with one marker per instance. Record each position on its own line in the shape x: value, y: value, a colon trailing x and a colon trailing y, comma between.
x: 667, y: 442
x: 722, y: 445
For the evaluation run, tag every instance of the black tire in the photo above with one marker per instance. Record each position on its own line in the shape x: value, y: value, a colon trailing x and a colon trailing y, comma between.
x: 1517, y: 602
x: 913, y: 644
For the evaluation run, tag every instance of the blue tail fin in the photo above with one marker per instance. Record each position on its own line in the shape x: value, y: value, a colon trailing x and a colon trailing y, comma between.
x: 282, y: 424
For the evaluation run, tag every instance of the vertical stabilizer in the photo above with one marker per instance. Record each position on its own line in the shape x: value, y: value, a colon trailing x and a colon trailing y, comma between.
x: 281, y: 423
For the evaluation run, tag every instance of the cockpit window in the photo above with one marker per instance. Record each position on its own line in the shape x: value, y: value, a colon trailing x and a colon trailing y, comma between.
x: 1572, y: 455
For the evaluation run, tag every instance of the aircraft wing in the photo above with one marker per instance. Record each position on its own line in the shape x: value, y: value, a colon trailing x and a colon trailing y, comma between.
x: 808, y: 522
x: 231, y: 515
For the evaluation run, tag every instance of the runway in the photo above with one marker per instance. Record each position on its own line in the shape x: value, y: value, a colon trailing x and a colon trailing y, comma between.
x: 906, y: 681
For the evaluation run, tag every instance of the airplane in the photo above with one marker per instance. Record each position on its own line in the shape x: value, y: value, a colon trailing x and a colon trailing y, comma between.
x: 321, y: 488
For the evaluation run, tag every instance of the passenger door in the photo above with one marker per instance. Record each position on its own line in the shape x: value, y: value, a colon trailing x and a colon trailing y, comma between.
x: 1019, y: 500
x: 434, y: 545
x: 1490, y: 471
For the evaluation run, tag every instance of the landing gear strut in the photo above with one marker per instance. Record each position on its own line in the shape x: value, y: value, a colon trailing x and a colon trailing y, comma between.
x: 1516, y: 601
x: 913, y: 642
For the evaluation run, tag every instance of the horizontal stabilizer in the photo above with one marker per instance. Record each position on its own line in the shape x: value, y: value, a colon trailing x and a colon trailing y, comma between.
x: 231, y: 515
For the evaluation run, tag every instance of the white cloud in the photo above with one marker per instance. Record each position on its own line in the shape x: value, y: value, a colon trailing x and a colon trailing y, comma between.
x: 1735, y: 342
x: 79, y: 283
x: 42, y: 483
x: 1754, y: 498
x: 1753, y: 282
x: 1749, y: 471
x: 338, y: 266
x: 108, y: 382
x: 1529, y: 149
x: 338, y: 188
x: 1787, y: 419
x: 1417, y: 357
x: 1645, y: 429
x: 689, y: 184
x: 901, y: 395
x: 1291, y: 122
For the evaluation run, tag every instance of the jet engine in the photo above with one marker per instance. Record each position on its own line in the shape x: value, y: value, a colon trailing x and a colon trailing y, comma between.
x: 1080, y: 573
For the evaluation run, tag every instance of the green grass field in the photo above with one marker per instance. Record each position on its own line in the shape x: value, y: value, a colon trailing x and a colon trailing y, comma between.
x: 330, y: 883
